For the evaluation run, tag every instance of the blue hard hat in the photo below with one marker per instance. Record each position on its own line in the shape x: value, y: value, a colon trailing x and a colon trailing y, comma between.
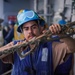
x: 62, y: 22
x: 26, y: 16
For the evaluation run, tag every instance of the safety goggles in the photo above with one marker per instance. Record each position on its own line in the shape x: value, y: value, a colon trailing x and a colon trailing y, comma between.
x: 26, y: 14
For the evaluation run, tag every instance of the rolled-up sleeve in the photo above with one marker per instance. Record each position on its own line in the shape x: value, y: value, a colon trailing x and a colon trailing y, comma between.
x: 59, y: 53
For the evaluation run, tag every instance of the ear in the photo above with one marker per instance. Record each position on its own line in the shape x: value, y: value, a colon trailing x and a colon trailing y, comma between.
x: 42, y: 29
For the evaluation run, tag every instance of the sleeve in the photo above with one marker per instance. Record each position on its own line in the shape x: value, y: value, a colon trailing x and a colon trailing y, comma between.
x: 8, y: 59
x: 59, y: 53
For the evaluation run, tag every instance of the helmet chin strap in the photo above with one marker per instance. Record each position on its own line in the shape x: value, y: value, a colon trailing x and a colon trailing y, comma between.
x: 21, y: 29
x: 39, y: 25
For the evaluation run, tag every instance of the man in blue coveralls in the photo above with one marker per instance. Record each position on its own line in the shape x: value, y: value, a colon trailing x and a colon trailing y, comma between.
x: 47, y: 56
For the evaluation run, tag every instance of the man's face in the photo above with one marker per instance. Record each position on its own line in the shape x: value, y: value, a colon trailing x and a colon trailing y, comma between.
x: 30, y: 30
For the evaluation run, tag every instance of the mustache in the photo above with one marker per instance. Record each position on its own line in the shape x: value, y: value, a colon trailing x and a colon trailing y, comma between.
x: 31, y: 35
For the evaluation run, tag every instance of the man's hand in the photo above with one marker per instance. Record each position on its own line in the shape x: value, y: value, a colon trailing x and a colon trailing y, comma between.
x: 55, y: 28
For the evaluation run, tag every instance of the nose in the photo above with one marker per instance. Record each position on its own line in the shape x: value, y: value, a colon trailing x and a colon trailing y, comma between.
x: 30, y: 30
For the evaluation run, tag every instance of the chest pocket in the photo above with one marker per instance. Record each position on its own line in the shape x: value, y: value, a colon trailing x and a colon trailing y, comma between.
x: 42, y: 61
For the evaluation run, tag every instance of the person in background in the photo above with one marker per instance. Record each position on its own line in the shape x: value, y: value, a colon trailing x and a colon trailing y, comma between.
x: 5, y: 31
x: 47, y: 56
x: 3, y: 67
x: 7, y: 39
x: 1, y: 33
x: 10, y: 35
